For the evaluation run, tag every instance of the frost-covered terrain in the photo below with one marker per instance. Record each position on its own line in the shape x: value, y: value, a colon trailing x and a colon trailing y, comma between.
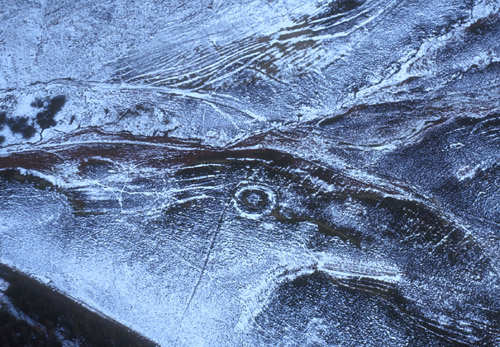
x: 256, y: 173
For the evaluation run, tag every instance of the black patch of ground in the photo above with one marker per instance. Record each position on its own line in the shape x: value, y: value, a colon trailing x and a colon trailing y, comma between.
x: 56, y: 316
x: 37, y: 103
x: 3, y: 119
x: 14, y: 332
x: 45, y: 118
x: 20, y: 125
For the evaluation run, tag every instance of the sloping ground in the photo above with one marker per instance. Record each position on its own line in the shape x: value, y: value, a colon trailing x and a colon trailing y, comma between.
x: 250, y: 173
x: 35, y: 315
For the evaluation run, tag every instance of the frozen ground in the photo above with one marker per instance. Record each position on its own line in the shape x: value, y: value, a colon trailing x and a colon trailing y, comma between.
x: 259, y: 172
